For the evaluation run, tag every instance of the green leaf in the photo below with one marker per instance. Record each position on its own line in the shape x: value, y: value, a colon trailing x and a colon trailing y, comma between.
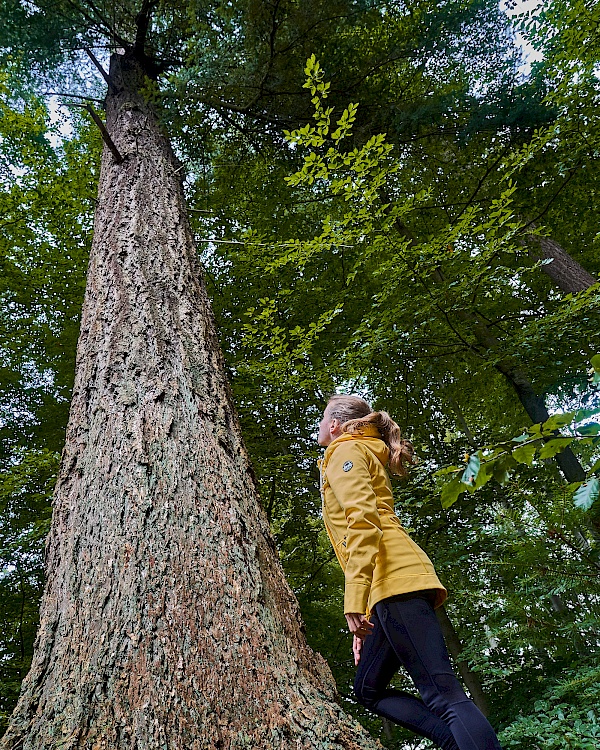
x: 595, y: 362
x: 501, y: 468
x: 446, y: 470
x: 483, y: 477
x: 552, y: 447
x: 558, y: 420
x: 472, y: 470
x: 501, y: 474
x: 521, y: 438
x: 593, y: 428
x: 451, y: 492
x: 524, y: 454
x: 583, y: 414
x: 587, y: 494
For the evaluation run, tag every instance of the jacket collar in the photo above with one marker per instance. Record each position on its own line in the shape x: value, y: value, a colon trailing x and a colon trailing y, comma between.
x: 367, y: 432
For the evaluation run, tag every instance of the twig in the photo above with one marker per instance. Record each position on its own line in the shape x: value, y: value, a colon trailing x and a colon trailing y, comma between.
x: 105, y: 134
x: 74, y: 96
x: 572, y: 173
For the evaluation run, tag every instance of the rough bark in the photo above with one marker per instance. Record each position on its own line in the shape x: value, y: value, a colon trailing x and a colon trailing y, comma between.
x: 470, y: 678
x: 166, y: 620
x: 565, y: 272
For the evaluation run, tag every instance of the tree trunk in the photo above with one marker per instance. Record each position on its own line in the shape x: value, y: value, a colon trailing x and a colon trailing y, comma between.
x: 471, y: 679
x: 166, y: 620
x: 533, y: 403
x: 569, y: 276
x: 566, y: 273
x: 535, y: 406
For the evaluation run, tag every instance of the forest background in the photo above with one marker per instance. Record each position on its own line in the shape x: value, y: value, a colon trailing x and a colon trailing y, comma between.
x: 409, y: 216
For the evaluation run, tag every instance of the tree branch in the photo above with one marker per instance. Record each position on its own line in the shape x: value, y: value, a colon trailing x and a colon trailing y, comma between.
x: 535, y: 220
x: 96, y: 18
x: 482, y: 180
x: 96, y: 62
x: 74, y: 96
x: 105, y: 134
x: 142, y: 21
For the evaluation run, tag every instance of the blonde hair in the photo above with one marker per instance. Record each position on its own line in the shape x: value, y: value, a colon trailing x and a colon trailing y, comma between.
x: 354, y: 412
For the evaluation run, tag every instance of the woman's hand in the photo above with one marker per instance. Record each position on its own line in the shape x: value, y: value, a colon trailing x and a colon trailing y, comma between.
x: 358, y: 625
x: 360, y: 628
x: 356, y: 649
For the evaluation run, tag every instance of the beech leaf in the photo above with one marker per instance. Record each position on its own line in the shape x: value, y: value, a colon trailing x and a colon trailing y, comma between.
x: 524, y: 454
x: 552, y: 447
x: 587, y: 493
x: 593, y: 428
x: 446, y: 470
x: 451, y: 491
x: 558, y: 420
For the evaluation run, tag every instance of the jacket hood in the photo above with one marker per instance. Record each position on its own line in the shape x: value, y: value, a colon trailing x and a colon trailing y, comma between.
x: 369, y: 436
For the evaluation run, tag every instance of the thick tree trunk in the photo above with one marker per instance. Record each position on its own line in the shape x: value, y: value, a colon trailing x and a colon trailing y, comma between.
x: 166, y: 620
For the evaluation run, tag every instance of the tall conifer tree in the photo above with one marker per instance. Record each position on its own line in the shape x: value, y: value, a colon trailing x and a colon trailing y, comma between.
x: 166, y: 618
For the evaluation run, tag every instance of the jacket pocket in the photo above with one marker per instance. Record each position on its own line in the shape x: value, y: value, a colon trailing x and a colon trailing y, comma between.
x: 340, y: 548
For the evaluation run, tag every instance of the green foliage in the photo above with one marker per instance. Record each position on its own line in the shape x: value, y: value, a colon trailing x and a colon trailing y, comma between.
x: 46, y: 203
x: 25, y: 492
x: 402, y: 299
x: 340, y: 258
x: 566, y: 716
x: 498, y: 460
x: 47, y: 195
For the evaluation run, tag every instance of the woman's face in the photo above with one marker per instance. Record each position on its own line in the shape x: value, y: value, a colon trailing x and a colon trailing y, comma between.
x: 328, y: 429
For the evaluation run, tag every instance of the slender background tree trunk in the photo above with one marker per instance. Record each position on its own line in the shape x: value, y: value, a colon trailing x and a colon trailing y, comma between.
x: 166, y: 620
x: 470, y: 678
x: 565, y: 272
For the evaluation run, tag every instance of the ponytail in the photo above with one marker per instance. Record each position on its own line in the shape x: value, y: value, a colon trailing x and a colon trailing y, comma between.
x: 354, y: 412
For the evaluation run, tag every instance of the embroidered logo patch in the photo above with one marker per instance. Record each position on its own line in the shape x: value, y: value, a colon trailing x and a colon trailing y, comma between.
x: 347, y: 466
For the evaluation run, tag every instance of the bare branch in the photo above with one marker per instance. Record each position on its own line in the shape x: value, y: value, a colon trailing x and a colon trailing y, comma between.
x: 105, y: 134
x: 96, y: 19
x: 96, y: 62
x: 572, y: 172
x: 219, y: 105
x: 74, y: 96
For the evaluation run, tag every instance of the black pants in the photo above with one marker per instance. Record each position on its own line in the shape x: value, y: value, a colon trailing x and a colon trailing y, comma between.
x: 407, y: 634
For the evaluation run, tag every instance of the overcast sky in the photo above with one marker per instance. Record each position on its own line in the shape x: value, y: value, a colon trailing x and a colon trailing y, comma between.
x: 520, y: 6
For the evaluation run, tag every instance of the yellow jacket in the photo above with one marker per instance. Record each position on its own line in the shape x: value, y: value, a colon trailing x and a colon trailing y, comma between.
x: 377, y: 556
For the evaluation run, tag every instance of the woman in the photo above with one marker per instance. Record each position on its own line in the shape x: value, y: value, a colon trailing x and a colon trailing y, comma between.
x: 391, y: 587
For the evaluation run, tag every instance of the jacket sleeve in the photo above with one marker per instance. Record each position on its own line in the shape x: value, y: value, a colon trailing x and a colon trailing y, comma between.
x: 350, y: 479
